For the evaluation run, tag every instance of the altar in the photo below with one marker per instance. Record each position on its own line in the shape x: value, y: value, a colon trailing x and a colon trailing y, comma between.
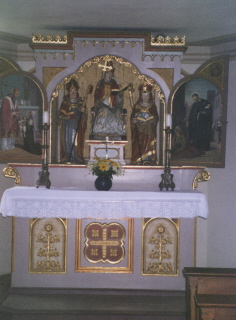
x: 77, y: 237
x: 31, y: 202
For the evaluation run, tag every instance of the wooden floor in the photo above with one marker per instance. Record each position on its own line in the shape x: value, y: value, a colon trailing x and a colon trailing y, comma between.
x: 82, y: 304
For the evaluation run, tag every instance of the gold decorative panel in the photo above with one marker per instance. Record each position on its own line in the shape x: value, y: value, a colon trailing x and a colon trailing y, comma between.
x: 49, y: 73
x: 167, y: 74
x: 160, y: 247
x: 104, y: 245
x: 104, y: 242
x: 48, y: 242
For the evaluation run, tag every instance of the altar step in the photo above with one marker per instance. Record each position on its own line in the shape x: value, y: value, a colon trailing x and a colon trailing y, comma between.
x: 84, y: 304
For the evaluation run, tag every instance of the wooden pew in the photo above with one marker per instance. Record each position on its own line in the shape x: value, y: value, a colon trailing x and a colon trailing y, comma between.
x: 207, y: 281
x: 216, y: 306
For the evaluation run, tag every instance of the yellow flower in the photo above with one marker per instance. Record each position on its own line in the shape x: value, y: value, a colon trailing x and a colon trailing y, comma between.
x: 103, y: 166
x: 114, y: 163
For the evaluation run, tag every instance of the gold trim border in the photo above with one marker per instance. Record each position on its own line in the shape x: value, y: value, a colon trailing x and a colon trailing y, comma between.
x: 154, y: 41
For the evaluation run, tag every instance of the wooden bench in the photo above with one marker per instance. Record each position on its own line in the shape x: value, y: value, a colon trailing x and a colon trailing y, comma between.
x: 207, y: 281
x: 216, y: 306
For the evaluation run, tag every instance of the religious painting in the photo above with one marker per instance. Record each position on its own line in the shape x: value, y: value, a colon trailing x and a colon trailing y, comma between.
x: 160, y: 247
x: 104, y: 108
x: 48, y: 243
x: 198, y: 106
x: 23, y: 100
x: 104, y: 245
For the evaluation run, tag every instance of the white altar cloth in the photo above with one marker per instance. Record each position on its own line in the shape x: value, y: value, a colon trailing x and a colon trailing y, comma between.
x: 31, y: 202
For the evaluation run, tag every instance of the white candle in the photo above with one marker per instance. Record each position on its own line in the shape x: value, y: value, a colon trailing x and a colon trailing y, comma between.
x: 45, y: 117
x: 168, y: 120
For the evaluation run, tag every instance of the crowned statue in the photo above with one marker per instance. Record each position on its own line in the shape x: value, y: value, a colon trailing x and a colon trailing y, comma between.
x: 144, y: 120
x: 108, y: 115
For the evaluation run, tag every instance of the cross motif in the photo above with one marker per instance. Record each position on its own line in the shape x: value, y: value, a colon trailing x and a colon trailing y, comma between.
x: 104, y: 242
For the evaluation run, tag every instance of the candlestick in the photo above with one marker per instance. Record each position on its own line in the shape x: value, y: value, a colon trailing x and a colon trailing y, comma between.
x: 168, y: 120
x: 46, y: 117
x: 167, y: 176
x: 107, y: 142
x: 44, y: 174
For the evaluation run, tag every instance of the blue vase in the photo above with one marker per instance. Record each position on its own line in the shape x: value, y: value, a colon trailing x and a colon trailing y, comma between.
x: 103, y: 183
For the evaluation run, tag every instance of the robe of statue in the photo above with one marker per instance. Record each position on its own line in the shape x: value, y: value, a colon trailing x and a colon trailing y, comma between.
x: 107, y: 112
x: 73, y: 129
x: 144, y: 133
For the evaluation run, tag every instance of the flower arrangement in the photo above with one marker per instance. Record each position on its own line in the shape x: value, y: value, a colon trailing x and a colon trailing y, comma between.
x: 105, y: 167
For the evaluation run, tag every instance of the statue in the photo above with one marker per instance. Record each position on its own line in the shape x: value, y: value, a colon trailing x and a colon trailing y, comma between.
x: 108, y: 113
x: 73, y: 115
x: 144, y: 119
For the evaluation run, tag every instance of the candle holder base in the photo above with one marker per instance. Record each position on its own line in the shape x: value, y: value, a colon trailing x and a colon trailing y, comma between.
x: 44, y: 178
x: 167, y: 180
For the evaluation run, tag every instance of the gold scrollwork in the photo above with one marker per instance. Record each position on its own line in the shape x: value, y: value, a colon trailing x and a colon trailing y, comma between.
x: 167, y: 41
x: 201, y: 176
x: 10, y: 172
x: 119, y: 60
x: 49, y: 39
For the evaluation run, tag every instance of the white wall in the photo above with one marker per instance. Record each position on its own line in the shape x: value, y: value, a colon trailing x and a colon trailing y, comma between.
x: 222, y: 196
x: 5, y: 229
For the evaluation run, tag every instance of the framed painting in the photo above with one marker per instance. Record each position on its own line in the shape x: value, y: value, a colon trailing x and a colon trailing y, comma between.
x: 23, y: 100
x: 198, y: 105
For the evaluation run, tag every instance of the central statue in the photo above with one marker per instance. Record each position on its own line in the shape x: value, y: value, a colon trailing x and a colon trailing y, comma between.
x: 108, y: 113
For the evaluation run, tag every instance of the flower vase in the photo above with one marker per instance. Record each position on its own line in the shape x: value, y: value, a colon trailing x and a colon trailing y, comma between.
x: 103, y: 183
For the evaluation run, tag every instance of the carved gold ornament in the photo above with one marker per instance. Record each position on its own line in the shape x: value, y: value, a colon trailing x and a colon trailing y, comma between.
x: 49, y: 39
x: 10, y: 172
x: 48, y: 245
x: 201, y: 176
x: 103, y: 60
x: 167, y: 41
x: 160, y: 247
x: 104, y: 243
x: 104, y: 246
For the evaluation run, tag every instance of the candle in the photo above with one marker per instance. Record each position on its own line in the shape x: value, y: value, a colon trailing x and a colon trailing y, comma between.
x: 45, y: 117
x: 168, y: 120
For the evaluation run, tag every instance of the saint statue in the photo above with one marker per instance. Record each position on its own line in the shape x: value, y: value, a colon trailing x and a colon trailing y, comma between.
x: 108, y: 113
x: 73, y: 115
x: 144, y: 119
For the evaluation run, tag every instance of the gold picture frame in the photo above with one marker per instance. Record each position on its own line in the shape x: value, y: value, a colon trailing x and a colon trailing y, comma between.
x: 199, y: 140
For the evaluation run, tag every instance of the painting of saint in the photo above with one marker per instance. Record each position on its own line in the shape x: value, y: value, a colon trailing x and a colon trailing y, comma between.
x: 197, y: 116
x: 21, y: 104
